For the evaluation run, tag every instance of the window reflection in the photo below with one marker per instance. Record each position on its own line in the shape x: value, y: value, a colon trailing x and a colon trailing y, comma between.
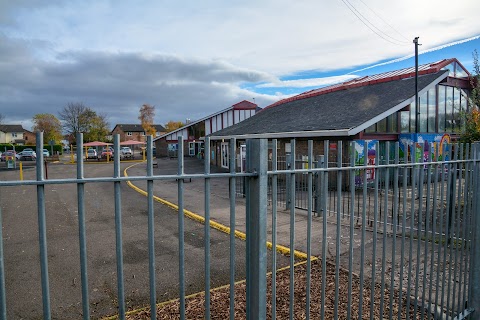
x: 460, y: 72
x: 423, y: 112
x: 405, y: 121
x: 431, y: 110
x: 450, y: 67
x: 441, y: 109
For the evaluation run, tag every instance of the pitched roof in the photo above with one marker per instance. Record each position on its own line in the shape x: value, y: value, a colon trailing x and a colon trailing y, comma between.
x: 338, y: 112
x: 240, y: 105
x: 11, y: 128
x: 376, y: 78
x: 138, y: 127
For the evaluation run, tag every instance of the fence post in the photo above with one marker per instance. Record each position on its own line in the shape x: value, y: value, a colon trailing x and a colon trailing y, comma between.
x: 319, y: 187
x: 256, y: 260
x: 474, y: 300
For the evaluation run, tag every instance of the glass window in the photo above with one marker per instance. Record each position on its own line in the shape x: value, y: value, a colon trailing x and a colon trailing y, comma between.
x: 392, y: 123
x: 441, y: 109
x: 450, y: 67
x: 382, y: 125
x: 371, y: 129
x: 129, y: 133
x: 449, y: 109
x: 431, y: 110
x: 456, y: 109
x: 460, y: 72
x: 423, y: 112
x: 405, y: 121
x: 412, y: 117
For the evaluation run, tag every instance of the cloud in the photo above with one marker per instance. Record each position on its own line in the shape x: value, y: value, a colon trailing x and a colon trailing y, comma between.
x: 119, y: 83
x: 303, y: 83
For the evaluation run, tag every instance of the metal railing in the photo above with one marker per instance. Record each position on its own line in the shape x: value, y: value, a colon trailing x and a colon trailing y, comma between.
x: 420, y: 260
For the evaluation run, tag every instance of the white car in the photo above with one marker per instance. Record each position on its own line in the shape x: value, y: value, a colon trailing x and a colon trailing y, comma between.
x: 26, y: 155
x: 126, y: 152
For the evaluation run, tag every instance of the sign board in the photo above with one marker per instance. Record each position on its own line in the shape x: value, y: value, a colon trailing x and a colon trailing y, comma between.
x: 288, y: 147
x: 51, y: 143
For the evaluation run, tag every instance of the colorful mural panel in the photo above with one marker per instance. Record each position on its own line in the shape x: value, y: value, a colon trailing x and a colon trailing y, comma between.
x: 360, y: 159
x: 438, y: 142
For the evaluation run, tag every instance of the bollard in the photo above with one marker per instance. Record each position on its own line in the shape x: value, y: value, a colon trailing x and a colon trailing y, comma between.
x: 21, y: 171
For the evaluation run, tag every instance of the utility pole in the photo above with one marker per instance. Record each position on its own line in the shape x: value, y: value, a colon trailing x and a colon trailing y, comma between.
x: 417, y: 107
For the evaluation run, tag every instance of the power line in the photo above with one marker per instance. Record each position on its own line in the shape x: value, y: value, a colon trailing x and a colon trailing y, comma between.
x: 384, y: 21
x: 372, y: 27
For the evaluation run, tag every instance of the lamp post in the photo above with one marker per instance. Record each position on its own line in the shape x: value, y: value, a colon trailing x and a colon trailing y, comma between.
x: 417, y: 107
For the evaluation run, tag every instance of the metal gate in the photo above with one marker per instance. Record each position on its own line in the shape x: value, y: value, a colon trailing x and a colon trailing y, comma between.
x: 397, y: 239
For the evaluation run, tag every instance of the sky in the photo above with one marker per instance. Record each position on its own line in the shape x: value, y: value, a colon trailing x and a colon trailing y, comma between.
x: 190, y: 59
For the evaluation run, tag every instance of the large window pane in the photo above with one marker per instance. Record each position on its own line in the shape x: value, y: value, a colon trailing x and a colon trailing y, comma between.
x: 449, y: 109
x: 456, y: 109
x: 392, y: 123
x: 463, y: 109
x: 431, y: 110
x: 404, y: 121
x: 459, y: 72
x: 450, y: 67
x: 441, y: 109
x: 382, y: 125
x: 423, y: 112
x: 371, y: 129
x: 413, y: 127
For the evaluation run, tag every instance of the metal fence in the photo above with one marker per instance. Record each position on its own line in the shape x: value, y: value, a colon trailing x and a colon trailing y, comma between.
x: 401, y: 243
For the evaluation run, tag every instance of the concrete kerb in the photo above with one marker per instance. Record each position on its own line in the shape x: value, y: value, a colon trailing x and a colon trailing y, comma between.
x: 215, y: 225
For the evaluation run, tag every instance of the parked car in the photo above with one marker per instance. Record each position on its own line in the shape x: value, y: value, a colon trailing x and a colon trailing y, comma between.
x: 26, y: 155
x: 92, y: 154
x: 126, y: 152
x: 46, y: 153
x: 28, y: 149
x: 107, y: 152
x: 8, y: 153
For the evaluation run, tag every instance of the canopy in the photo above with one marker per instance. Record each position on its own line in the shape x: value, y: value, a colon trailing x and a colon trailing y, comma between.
x: 96, y: 144
x: 131, y: 143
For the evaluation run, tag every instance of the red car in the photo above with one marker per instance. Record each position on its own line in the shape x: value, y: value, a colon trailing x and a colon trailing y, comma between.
x: 8, y: 153
x: 108, y: 152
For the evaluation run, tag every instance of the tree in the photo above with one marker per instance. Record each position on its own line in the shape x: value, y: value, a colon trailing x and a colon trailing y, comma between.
x: 2, y: 118
x: 147, y: 112
x: 173, y: 125
x: 77, y: 117
x: 98, y: 128
x: 49, y: 124
x: 472, y: 117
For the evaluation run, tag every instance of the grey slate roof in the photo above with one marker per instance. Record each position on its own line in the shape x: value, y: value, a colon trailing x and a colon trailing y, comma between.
x: 11, y: 128
x: 338, y: 110
x: 139, y: 128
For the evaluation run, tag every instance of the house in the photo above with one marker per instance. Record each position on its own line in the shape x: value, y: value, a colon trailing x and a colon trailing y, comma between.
x: 370, y: 109
x: 29, y: 137
x: 12, y: 133
x: 194, y: 132
x: 134, y: 131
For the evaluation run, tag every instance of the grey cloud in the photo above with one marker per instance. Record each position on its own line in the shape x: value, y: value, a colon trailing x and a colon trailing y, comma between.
x: 119, y: 83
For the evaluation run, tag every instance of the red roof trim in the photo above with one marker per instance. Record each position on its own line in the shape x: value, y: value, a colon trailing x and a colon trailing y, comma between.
x: 244, y: 105
x: 373, y: 79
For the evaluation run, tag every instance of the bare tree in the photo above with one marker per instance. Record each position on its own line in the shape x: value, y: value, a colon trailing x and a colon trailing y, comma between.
x: 147, y: 112
x: 76, y: 117
x: 71, y: 116
x: 2, y: 118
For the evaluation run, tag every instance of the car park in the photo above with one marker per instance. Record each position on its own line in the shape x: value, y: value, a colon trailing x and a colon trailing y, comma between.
x: 26, y: 155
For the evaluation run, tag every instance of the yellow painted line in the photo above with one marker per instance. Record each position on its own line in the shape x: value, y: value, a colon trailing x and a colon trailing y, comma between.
x: 215, y: 225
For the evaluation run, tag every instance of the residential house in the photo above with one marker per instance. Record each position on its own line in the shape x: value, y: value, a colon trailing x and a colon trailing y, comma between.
x: 12, y: 133
x: 135, y: 131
